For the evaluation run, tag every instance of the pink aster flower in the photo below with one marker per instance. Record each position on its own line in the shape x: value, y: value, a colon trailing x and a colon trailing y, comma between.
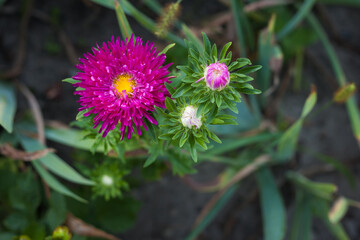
x: 121, y: 82
x: 216, y: 76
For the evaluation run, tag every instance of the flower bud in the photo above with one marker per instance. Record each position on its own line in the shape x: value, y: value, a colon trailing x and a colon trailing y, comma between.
x: 61, y: 233
x: 217, y: 76
x: 344, y: 93
x: 189, y: 119
x: 107, y: 180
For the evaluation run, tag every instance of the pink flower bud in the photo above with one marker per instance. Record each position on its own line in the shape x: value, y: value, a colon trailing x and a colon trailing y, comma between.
x: 217, y: 76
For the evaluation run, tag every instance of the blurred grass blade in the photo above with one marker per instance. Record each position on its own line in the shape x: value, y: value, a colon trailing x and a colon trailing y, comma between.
x: 124, y: 25
x: 350, y: 3
x: 338, y: 210
x: 141, y: 18
x: 237, y: 11
x: 272, y: 206
x: 288, y: 141
x: 266, y: 48
x: 148, y: 23
x: 191, y: 36
x: 153, y: 5
x: 299, y: 16
x: 323, y: 191
x: 344, y: 170
x: 54, y: 183
x: 7, y: 106
x: 232, y: 144
x: 321, y: 209
x: 301, y: 225
x: 167, y: 48
x: 351, y: 104
x: 105, y: 3
x: 54, y: 163
x: 212, y: 213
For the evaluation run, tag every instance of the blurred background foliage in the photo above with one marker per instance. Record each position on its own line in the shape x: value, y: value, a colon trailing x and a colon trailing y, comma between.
x: 40, y: 191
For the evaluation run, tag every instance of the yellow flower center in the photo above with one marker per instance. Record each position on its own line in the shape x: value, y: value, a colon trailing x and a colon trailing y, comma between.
x: 124, y: 82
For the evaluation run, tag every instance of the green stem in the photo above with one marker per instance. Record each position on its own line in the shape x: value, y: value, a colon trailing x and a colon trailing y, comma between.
x: 148, y: 23
x: 300, y: 15
x: 351, y: 105
x: 236, y: 6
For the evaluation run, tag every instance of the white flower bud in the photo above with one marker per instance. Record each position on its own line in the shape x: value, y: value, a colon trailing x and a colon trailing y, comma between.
x: 189, y: 119
x: 107, y: 180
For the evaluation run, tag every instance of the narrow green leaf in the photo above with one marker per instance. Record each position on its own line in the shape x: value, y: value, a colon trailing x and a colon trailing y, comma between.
x: 170, y: 105
x: 70, y: 80
x: 167, y: 48
x: 272, y: 206
x: 192, y: 38
x: 323, y: 191
x: 54, y: 183
x: 299, y: 16
x: 212, y: 213
x: 287, y: 144
x: 54, y: 163
x: 301, y: 225
x: 224, y: 50
x: 154, y: 153
x: 124, y: 25
x: 351, y: 105
x: 7, y: 106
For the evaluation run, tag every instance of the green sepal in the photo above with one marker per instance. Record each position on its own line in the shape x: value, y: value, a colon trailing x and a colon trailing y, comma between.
x: 70, y: 80
x: 170, y: 105
x: 250, y: 69
x: 224, y: 50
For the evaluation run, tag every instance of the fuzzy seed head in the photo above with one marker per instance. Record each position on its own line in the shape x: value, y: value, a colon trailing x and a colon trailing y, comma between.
x: 217, y: 76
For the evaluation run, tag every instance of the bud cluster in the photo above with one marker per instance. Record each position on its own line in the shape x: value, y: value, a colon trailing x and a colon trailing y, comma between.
x: 208, y: 85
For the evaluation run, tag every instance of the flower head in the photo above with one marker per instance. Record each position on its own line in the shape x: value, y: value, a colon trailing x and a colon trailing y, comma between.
x: 120, y: 83
x: 217, y: 76
x: 189, y: 119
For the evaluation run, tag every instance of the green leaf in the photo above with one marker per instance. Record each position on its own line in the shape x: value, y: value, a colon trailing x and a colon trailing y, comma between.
x: 298, y: 17
x: 192, y: 38
x: 70, y: 80
x: 16, y: 221
x: 54, y: 183
x: 124, y: 25
x: 170, y: 105
x: 272, y: 206
x: 193, y: 152
x: 212, y: 213
x: 206, y: 42
x: 181, y: 164
x: 323, y: 191
x: 116, y: 215
x: 224, y: 50
x: 167, y: 48
x: 56, y: 213
x: 288, y: 141
x: 155, y: 151
x: 7, y: 106
x: 231, y: 144
x: 24, y: 195
x: 54, y: 163
x: 301, y: 225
